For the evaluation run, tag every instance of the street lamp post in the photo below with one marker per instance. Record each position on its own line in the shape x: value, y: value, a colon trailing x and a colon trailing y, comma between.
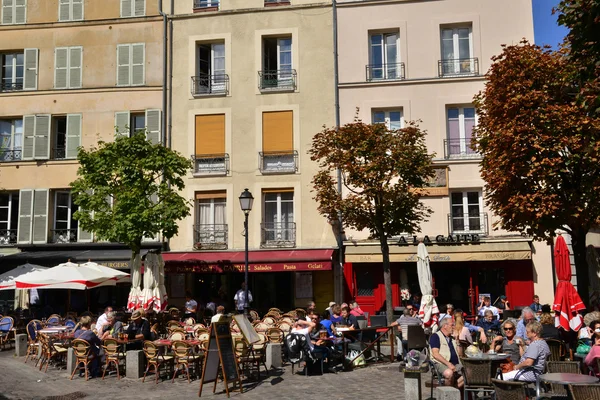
x: 246, y: 201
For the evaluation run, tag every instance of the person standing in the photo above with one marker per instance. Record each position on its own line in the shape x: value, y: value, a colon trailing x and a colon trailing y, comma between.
x: 191, y: 306
x: 240, y: 299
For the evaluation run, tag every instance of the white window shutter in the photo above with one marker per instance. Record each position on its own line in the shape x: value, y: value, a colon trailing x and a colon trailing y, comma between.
x: 40, y: 216
x: 28, y: 137
x: 7, y: 12
x: 77, y: 10
x: 61, y: 67
x: 138, y: 61
x: 25, y: 214
x: 41, y: 144
x: 126, y: 8
x: 30, y: 74
x: 75, y: 66
x: 139, y: 8
x: 73, y: 135
x: 123, y: 64
x: 153, y: 126
x: 20, y: 11
x: 64, y: 10
x: 122, y: 123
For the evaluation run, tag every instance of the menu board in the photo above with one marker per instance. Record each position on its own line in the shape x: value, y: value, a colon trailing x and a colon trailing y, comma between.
x: 220, y: 354
x: 247, y: 329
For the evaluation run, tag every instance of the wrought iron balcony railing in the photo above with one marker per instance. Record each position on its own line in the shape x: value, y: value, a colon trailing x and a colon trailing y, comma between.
x: 11, y: 86
x: 59, y: 153
x: 275, y: 2
x: 460, y: 148
x: 204, y: 85
x: 10, y: 155
x: 63, y: 235
x: 8, y: 237
x: 458, y: 67
x: 279, y: 80
x: 206, y: 3
x: 211, y: 164
x: 385, y: 72
x: 210, y: 236
x: 278, y: 162
x: 275, y: 234
x: 468, y: 223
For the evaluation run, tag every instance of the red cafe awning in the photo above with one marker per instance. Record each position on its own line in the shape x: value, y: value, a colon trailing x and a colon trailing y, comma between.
x: 258, y: 261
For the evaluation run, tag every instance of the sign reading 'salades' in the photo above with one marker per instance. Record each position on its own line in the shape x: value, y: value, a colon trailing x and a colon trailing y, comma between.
x: 440, y: 239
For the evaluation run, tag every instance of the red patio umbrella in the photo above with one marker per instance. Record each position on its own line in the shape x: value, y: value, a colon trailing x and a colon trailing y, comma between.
x: 567, y: 302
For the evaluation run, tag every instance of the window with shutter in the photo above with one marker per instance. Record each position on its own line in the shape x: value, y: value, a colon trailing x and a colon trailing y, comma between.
x: 30, y: 75
x: 75, y: 66
x: 41, y: 143
x: 126, y: 8
x: 7, y: 12
x: 20, y: 13
x: 138, y: 59
x: 40, y: 216
x: 70, y: 10
x: 122, y: 123
x: 123, y: 65
x: 153, y: 126
x: 28, y: 136
x: 77, y: 10
x: 25, y: 214
x: 61, y: 67
x: 210, y: 134
x: 14, y: 12
x: 73, y: 135
x: 278, y: 155
x: 139, y: 9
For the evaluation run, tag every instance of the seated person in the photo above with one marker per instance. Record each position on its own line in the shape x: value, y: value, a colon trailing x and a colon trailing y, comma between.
x: 304, y: 327
x: 527, y: 316
x: 348, y: 319
x: 533, y: 361
x: 336, y: 316
x: 508, y: 343
x: 462, y: 335
x: 139, y: 328
x: 448, y: 313
x: 403, y: 322
x: 486, y: 305
x: 549, y: 331
x: 488, y: 323
x: 327, y: 324
x: 112, y: 328
x: 442, y: 348
x: 585, y: 333
x: 218, y: 315
x: 594, y: 354
x: 502, y: 303
x: 85, y: 333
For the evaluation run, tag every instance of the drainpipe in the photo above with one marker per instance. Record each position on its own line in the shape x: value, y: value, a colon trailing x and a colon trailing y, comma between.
x: 164, y: 86
x: 336, y: 81
x: 170, y: 114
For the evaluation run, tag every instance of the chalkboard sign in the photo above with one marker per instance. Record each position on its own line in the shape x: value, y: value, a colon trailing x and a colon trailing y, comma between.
x: 220, y: 354
x: 246, y: 328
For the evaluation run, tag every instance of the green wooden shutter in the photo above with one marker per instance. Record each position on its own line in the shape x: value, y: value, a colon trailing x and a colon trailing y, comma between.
x: 123, y: 65
x: 75, y: 66
x: 30, y: 75
x: 28, y: 137
x: 138, y: 67
x: 73, y: 135
x: 122, y: 123
x: 40, y: 216
x: 61, y: 67
x: 25, y: 213
x: 41, y: 144
x: 153, y: 126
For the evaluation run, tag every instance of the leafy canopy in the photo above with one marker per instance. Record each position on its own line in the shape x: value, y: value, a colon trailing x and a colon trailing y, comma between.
x: 540, y: 148
x: 128, y: 190
x: 381, y: 172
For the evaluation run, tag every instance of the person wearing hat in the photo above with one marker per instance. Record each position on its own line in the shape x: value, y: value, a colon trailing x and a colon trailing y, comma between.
x: 139, y: 328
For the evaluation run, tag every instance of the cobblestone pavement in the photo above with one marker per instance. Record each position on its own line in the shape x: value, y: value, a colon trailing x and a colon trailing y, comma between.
x: 22, y: 381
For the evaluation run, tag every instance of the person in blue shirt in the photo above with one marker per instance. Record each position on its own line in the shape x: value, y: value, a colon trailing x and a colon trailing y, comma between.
x: 527, y: 316
x: 488, y: 323
x: 327, y: 324
x: 536, y: 307
x: 443, y: 353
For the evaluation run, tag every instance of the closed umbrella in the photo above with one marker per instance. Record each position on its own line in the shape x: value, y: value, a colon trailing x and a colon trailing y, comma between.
x: 428, y: 311
x: 567, y: 302
x: 21, y: 299
x: 65, y: 276
x: 161, y: 290
x: 135, y: 293
x: 149, y: 281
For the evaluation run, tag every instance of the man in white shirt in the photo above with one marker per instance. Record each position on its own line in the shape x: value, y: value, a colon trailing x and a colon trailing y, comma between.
x: 240, y: 299
x: 218, y: 315
x: 486, y: 305
x: 191, y: 306
x: 103, y: 320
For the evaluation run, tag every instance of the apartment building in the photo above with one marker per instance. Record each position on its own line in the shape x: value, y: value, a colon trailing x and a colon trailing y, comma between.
x: 252, y: 83
x: 71, y: 70
x: 425, y: 60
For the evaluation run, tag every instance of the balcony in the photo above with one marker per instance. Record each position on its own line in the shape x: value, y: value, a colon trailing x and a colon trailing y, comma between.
x: 11, y: 87
x: 385, y: 72
x: 10, y: 155
x: 212, y: 164
x: 8, y: 237
x: 458, y: 67
x: 277, y: 81
x: 275, y: 234
x: 468, y: 223
x: 210, y: 85
x: 269, y: 3
x: 63, y: 236
x: 210, y: 236
x: 460, y: 149
x: 205, y: 5
x: 278, y: 162
x: 59, y: 153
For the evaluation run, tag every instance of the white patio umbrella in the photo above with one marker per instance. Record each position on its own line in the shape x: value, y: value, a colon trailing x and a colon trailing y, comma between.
x: 160, y: 292
x: 7, y: 279
x: 149, y: 281
x: 135, y: 265
x: 429, y: 310
x: 120, y: 276
x: 21, y: 298
x: 65, y: 276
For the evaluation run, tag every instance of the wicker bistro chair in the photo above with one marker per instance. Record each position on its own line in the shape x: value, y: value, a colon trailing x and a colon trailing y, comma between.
x: 571, y: 367
x: 190, y: 321
x: 477, y: 375
x: 33, y: 342
x: 287, y: 319
x: 557, y: 349
x: 172, y: 324
x: 54, y: 319
x: 6, y: 330
x: 83, y: 356
x: 285, y: 326
x: 184, y: 357
x: 261, y: 327
x: 155, y: 359
x: 254, y: 315
x: 177, y: 334
x: 509, y: 390
x: 275, y: 335
x: 113, y: 355
x: 584, y: 392
x: 50, y: 352
x: 248, y: 357
x: 201, y: 334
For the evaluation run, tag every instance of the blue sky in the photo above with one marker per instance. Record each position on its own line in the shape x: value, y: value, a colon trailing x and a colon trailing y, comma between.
x: 546, y: 30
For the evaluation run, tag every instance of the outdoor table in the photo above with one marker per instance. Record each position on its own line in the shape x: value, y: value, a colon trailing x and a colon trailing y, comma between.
x: 490, y: 357
x: 381, y: 332
x: 54, y: 330
x: 563, y: 378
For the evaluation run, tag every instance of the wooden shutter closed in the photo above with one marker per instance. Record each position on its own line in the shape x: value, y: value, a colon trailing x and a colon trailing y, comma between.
x: 28, y: 137
x: 278, y: 131
x: 126, y: 8
x: 7, y: 12
x: 75, y: 66
x: 64, y: 10
x: 61, y: 67
x: 73, y: 135
x: 139, y: 8
x: 20, y: 11
x: 41, y: 144
x: 77, y: 10
x: 40, y: 216
x: 210, y: 134
x: 123, y: 65
x: 153, y: 127
x: 25, y: 213
x: 30, y: 74
x: 122, y: 123
x: 138, y: 67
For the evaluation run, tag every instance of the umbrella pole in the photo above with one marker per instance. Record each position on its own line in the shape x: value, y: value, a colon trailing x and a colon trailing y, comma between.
x: 87, y: 292
x: 68, y: 300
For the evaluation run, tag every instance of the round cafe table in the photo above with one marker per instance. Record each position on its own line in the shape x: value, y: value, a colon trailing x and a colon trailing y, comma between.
x: 490, y: 357
x: 563, y: 378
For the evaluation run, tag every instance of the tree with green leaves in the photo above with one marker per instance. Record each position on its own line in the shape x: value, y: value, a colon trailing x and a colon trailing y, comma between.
x: 382, y: 171
x: 540, y: 149
x: 127, y: 190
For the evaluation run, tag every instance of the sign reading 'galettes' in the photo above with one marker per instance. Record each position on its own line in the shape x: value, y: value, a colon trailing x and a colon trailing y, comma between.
x: 262, y: 267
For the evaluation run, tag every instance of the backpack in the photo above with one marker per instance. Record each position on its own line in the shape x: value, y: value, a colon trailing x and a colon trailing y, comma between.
x: 297, y: 346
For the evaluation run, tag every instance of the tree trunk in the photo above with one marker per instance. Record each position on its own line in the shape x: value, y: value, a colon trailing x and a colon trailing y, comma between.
x: 581, y: 266
x: 387, y: 279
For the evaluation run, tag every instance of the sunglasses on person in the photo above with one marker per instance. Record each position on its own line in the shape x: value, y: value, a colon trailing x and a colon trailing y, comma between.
x: 509, y: 329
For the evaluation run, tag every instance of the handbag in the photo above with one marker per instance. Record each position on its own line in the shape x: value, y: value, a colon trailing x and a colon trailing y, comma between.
x: 582, y: 348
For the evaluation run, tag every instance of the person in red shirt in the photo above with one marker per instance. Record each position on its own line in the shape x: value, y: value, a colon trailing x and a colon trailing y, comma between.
x: 355, y: 309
